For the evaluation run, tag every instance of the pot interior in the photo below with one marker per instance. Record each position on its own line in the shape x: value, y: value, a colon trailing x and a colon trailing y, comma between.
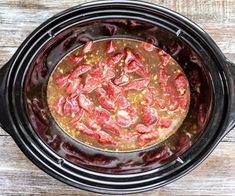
x: 166, y: 38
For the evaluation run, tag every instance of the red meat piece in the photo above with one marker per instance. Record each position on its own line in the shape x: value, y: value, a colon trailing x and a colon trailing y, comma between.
x: 164, y: 122
x: 97, y: 72
x: 109, y: 47
x: 181, y: 81
x: 75, y: 59
x: 109, y: 74
x: 132, y: 67
x: 163, y: 77
x: 147, y: 137
x: 161, y: 102
x: 78, y: 116
x: 88, y: 47
x: 71, y: 106
x: 85, y: 103
x: 101, y: 115
x: 147, y: 46
x: 174, y: 104
x: 150, y: 116
x: 132, y: 56
x: 113, y: 60
x: 81, y: 69
x: 112, y: 90
x: 83, y: 129
x: 92, y: 124
x: 91, y: 83
x: 111, y: 127
x: 73, y: 86
x: 142, y: 129
x: 123, y: 119
x: 104, y: 100
x: 122, y: 102
x: 133, y: 113
x: 59, y: 105
x: 137, y: 84
x: 122, y: 80
x: 165, y: 58
x: 148, y: 97
x: 104, y: 138
x: 61, y: 81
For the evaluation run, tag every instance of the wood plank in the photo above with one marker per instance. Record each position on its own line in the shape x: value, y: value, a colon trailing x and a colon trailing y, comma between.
x: 23, y: 14
x: 231, y: 57
x: 19, y: 175
x: 215, y: 11
x: 3, y: 133
x: 223, y: 35
x: 5, y: 54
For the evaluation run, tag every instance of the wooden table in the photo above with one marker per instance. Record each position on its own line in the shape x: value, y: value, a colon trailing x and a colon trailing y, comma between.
x: 18, y: 176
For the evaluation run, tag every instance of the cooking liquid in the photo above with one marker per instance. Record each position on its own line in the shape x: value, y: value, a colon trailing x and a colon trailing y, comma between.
x: 153, y: 85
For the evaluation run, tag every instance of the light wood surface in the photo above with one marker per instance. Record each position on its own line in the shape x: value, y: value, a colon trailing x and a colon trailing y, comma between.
x: 18, y: 176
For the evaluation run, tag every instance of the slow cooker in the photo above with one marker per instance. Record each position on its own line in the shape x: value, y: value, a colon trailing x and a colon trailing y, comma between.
x: 24, y: 78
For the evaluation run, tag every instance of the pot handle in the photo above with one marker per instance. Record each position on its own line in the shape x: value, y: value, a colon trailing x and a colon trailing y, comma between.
x: 231, y: 81
x: 4, y: 117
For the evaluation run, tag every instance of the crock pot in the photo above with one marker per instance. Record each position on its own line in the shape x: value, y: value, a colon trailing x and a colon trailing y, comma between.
x: 25, y: 115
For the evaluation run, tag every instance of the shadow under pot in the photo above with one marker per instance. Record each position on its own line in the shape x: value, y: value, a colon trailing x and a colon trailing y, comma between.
x: 119, y: 101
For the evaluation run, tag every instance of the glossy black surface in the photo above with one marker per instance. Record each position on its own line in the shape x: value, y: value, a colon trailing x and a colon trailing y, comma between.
x: 41, y: 120
x: 100, y: 171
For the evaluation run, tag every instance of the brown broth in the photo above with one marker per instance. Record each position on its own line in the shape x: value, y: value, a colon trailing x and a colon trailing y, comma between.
x: 154, y: 66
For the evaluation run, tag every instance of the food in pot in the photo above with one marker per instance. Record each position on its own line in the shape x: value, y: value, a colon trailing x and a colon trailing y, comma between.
x: 118, y: 94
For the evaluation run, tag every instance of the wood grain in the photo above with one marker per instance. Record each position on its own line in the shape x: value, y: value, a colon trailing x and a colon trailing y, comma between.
x: 18, y: 176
